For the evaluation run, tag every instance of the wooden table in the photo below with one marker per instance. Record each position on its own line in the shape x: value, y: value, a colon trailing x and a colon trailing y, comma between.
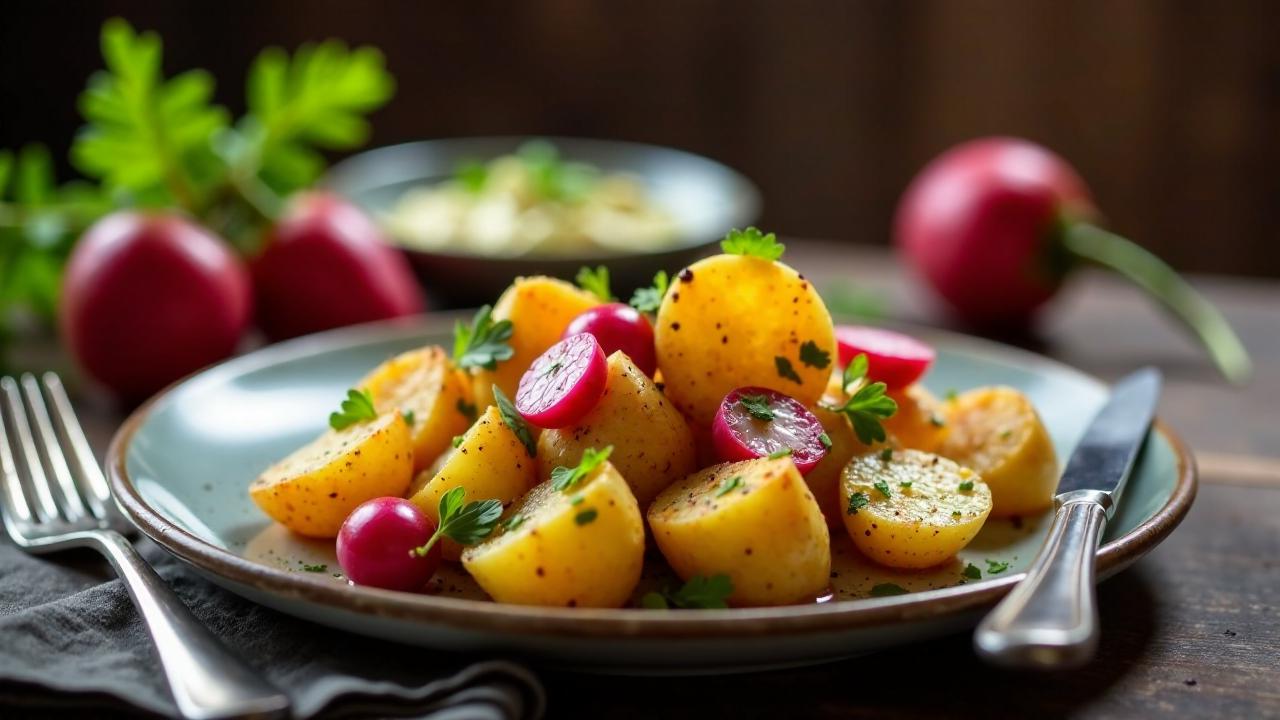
x: 1193, y: 629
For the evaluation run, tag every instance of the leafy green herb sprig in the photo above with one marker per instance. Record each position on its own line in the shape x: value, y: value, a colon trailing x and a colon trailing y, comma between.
x: 868, y: 406
x: 514, y: 420
x: 752, y: 243
x: 700, y: 592
x: 757, y: 406
x: 566, y: 478
x: 483, y: 343
x: 357, y: 407
x: 649, y: 299
x: 595, y: 282
x: 465, y: 524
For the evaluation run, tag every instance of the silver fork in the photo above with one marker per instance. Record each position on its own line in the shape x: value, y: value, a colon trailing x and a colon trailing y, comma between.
x: 55, y: 497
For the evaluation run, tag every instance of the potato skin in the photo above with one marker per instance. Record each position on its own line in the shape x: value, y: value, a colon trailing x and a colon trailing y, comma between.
x: 491, y: 463
x: 767, y: 532
x: 917, y: 526
x: 997, y: 432
x: 312, y: 491
x: 726, y: 320
x: 425, y: 383
x: 652, y: 444
x: 554, y: 557
x: 919, y: 423
x: 540, y: 308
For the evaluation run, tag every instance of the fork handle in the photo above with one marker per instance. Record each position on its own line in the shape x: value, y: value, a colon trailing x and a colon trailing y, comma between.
x: 206, y: 680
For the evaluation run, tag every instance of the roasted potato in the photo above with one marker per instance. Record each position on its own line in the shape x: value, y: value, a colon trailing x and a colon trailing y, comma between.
x: 755, y: 521
x: 489, y: 463
x: 919, y: 423
x: 997, y: 432
x: 312, y: 491
x: 932, y: 509
x: 539, y: 308
x: 425, y: 387
x: 581, y: 547
x: 652, y: 444
x: 731, y: 321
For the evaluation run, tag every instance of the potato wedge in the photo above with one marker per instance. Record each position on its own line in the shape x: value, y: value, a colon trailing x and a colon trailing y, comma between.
x: 489, y: 463
x: 997, y: 432
x: 919, y: 423
x: 312, y: 491
x: 539, y: 308
x: 755, y: 521
x: 424, y: 385
x: 730, y: 321
x: 917, y: 525
x: 578, y: 548
x: 652, y: 444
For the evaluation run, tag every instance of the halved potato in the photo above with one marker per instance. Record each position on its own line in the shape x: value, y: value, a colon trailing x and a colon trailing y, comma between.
x: 997, y: 432
x: 933, y: 508
x: 312, y: 491
x: 652, y: 444
x: 583, y: 547
x: 731, y: 321
x: 489, y: 463
x: 755, y: 521
x: 539, y: 309
x: 423, y: 384
x: 919, y: 423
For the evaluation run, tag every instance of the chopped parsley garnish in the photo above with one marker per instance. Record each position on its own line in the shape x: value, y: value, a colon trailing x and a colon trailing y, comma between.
x: 729, y: 485
x: 553, y: 368
x: 887, y: 590
x: 972, y: 572
x: 457, y: 440
x: 565, y: 478
x: 955, y: 513
x: 512, y: 419
x: 315, y: 568
x: 466, y: 409
x: 649, y: 299
x: 700, y: 592
x: 868, y: 407
x: 595, y: 282
x: 358, y: 407
x: 465, y: 524
x: 883, y: 487
x: 905, y: 484
x: 514, y: 522
x: 857, y: 500
x: 1006, y: 434
x: 786, y: 371
x: 814, y: 356
x: 784, y: 452
x: 995, y: 567
x: 757, y: 406
x: 753, y: 243
x: 483, y: 343
x: 966, y: 486
x: 585, y: 516
x: 825, y: 439
x: 951, y: 395
x: 887, y: 454
x: 577, y: 500
x: 409, y: 417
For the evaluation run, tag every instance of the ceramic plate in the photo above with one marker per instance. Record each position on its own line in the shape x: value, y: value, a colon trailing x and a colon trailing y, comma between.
x: 180, y: 467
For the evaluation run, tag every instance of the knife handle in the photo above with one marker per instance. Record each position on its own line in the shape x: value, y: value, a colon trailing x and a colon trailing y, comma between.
x: 1050, y: 619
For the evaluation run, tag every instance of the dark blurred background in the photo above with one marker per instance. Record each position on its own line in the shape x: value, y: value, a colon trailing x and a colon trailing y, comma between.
x: 1171, y: 110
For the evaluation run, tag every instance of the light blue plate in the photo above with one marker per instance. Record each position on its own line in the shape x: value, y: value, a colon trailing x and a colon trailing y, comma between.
x: 182, y: 464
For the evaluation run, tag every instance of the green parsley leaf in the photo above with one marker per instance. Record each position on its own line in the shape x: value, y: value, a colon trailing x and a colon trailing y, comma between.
x: 466, y: 409
x: 854, y: 372
x: 514, y: 420
x: 825, y: 439
x: 867, y: 408
x: 596, y: 282
x: 729, y: 485
x: 577, y: 500
x: 483, y: 343
x: 905, y: 484
x: 586, y: 516
x: 649, y: 299
x: 784, y: 452
x: 457, y: 440
x: 1005, y: 435
x: 654, y: 601
x: 410, y: 418
x: 966, y: 486
x: 315, y: 568
x: 856, y: 501
x: 995, y: 567
x: 358, y: 407
x: 814, y: 356
x: 972, y: 572
x: 887, y: 590
x: 566, y: 478
x: 955, y: 513
x: 883, y: 487
x: 786, y: 371
x: 514, y: 522
x: 471, y: 176
x: 753, y: 243
x: 464, y: 524
x: 887, y: 454
x: 757, y: 406
x: 700, y: 592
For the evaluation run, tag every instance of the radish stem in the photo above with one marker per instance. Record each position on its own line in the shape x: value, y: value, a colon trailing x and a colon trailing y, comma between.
x: 1161, y: 282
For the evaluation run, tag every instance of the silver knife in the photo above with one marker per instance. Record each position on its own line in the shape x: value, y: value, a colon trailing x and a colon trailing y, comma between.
x: 1050, y: 620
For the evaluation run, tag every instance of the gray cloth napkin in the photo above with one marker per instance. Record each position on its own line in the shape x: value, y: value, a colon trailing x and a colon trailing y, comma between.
x: 71, y: 644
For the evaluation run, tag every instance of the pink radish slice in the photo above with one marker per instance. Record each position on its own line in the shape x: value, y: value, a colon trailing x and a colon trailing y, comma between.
x: 619, y: 327
x: 741, y: 432
x: 564, y: 383
x: 894, y: 359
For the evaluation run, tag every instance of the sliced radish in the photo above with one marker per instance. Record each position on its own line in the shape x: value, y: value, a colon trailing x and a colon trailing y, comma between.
x: 564, y: 383
x: 619, y: 327
x: 894, y: 359
x: 755, y: 422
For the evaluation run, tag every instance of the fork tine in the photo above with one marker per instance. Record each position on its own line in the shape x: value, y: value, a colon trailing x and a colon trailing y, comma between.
x: 84, y: 464
x: 14, y: 496
x: 45, y: 507
x: 50, y: 450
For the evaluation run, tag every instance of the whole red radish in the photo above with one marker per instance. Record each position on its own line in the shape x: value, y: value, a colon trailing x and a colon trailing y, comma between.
x: 755, y: 422
x: 995, y: 225
x: 326, y: 265
x: 149, y: 298
x: 619, y: 327
x: 894, y: 359
x: 564, y: 383
x: 377, y: 541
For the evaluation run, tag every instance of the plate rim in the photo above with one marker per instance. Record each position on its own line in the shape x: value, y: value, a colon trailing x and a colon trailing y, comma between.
x: 523, y: 620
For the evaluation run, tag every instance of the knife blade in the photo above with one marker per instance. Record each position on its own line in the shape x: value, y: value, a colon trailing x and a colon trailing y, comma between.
x: 1050, y: 619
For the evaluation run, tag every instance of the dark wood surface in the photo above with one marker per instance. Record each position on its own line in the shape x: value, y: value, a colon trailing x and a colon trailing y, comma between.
x: 1192, y: 630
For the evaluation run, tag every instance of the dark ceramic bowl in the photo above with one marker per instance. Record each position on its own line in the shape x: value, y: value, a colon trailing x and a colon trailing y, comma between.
x: 705, y: 198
